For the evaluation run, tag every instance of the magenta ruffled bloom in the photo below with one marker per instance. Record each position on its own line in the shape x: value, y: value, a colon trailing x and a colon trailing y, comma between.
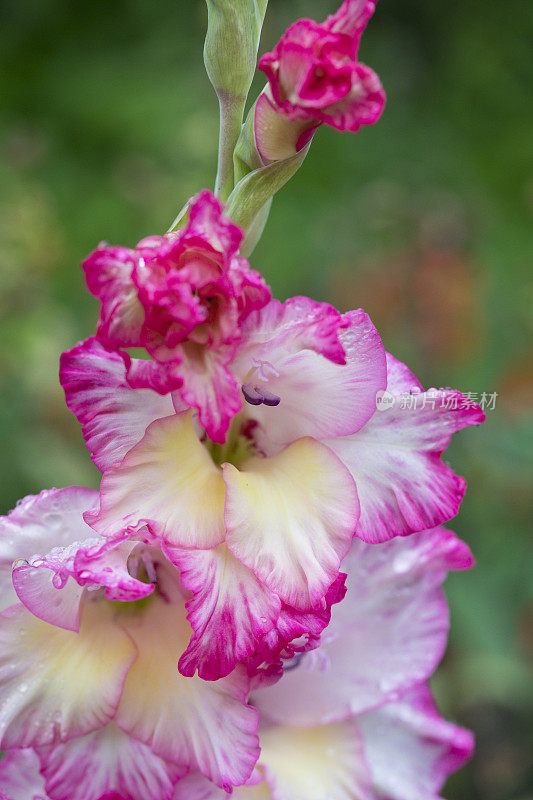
x: 314, y: 74
x: 182, y: 297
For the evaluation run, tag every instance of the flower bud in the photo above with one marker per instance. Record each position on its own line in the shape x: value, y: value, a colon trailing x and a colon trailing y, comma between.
x: 315, y: 76
x: 230, y: 51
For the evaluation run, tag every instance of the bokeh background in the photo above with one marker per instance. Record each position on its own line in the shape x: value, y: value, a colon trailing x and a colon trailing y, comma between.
x: 108, y: 124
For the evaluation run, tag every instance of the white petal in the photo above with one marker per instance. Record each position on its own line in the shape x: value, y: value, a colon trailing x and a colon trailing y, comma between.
x: 395, y: 459
x: 229, y: 612
x: 321, y: 396
x: 20, y: 777
x: 388, y: 633
x: 169, y: 482
x: 291, y: 518
x: 204, y: 725
x: 107, y: 763
x: 315, y: 763
x: 55, y: 684
x: 114, y: 417
x: 38, y: 524
x: 410, y: 749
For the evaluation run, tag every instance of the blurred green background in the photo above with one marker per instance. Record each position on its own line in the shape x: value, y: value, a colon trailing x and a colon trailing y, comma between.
x: 108, y: 124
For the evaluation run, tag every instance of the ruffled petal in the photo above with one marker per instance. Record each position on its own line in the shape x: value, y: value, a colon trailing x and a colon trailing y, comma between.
x: 315, y: 763
x: 210, y: 387
x: 410, y: 749
x: 386, y: 636
x: 249, y: 287
x: 107, y: 763
x: 395, y: 459
x: 229, y: 612
x: 291, y: 518
x: 196, y: 787
x: 351, y: 17
x: 56, y: 684
x: 58, y: 605
x: 208, y: 224
x: 20, y: 777
x: 108, y: 271
x: 203, y: 725
x: 297, y: 631
x: 314, y: 76
x: 326, y: 370
x: 164, y: 482
x: 362, y: 106
x: 51, y: 586
x: 114, y: 417
x: 38, y: 524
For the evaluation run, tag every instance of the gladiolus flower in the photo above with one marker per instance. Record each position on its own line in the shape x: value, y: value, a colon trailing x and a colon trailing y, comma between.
x: 315, y: 77
x: 355, y: 718
x: 258, y: 526
x: 88, y: 675
x: 183, y: 297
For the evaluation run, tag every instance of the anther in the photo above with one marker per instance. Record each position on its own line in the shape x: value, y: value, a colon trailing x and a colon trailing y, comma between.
x: 251, y: 394
x: 270, y: 399
x: 149, y: 566
x: 256, y: 395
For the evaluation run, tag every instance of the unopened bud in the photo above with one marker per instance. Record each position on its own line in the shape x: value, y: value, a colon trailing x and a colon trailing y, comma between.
x: 230, y: 51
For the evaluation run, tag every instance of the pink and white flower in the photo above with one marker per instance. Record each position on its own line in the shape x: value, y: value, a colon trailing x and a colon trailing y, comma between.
x: 266, y: 531
x: 183, y: 297
x: 258, y: 526
x: 351, y: 719
x: 315, y: 77
x: 355, y: 718
x: 88, y: 673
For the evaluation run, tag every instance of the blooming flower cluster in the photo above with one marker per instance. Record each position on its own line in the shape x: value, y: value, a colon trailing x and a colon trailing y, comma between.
x: 251, y: 602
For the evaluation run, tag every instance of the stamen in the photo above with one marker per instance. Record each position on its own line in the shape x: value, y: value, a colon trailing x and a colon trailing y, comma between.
x: 256, y: 395
x: 251, y: 394
x: 141, y: 565
x: 293, y: 663
x: 149, y: 566
x: 133, y: 565
x: 270, y: 399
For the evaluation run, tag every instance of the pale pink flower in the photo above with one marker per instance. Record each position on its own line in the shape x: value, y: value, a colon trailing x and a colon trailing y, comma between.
x: 259, y: 540
x: 88, y: 675
x: 258, y: 526
x: 351, y: 719
x: 355, y: 718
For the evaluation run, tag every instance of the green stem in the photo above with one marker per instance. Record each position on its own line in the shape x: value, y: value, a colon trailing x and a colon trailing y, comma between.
x: 231, y: 114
